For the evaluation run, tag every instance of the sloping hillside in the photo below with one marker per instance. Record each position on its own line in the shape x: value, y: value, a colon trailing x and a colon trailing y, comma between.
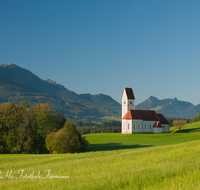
x: 18, y: 84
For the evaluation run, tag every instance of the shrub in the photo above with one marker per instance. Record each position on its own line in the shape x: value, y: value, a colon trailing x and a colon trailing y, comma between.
x: 66, y: 140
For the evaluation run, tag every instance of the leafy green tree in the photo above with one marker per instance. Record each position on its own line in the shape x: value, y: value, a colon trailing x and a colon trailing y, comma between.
x: 50, y: 141
x: 28, y: 138
x: 45, y: 122
x: 11, y: 117
x: 59, y: 121
x: 66, y: 140
x: 38, y: 122
x: 23, y: 129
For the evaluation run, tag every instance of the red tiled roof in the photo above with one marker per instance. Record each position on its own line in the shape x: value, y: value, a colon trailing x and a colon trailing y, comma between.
x: 157, y: 124
x: 163, y: 120
x: 129, y: 93
x: 145, y: 115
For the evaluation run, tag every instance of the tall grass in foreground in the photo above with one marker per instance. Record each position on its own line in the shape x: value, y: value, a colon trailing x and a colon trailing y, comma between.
x: 160, y: 167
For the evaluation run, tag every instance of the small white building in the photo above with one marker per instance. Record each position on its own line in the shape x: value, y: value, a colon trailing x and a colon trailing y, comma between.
x: 140, y: 121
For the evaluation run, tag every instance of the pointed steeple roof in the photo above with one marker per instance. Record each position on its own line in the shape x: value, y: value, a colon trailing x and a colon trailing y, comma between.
x: 129, y: 93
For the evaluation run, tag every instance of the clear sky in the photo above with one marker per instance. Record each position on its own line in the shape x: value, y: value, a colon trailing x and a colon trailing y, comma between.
x: 102, y: 46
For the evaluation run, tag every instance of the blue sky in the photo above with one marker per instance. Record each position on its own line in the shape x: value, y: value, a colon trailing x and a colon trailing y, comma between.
x: 102, y: 46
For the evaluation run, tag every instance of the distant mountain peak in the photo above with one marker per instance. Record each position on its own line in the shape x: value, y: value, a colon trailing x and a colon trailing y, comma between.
x: 9, y: 65
x: 55, y: 83
x: 170, y: 107
x: 151, y: 98
x: 51, y: 81
x: 175, y: 100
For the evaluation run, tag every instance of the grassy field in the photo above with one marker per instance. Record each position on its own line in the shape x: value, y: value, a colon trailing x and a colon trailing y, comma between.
x: 116, y: 141
x: 112, y: 118
x: 138, y: 161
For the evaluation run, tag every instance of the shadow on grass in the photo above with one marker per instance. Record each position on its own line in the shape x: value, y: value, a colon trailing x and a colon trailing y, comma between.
x: 113, y: 146
x: 192, y: 130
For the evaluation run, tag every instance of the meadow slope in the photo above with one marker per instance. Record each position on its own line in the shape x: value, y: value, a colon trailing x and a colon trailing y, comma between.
x: 159, y: 166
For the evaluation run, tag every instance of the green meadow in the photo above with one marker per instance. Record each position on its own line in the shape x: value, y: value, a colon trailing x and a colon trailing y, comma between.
x: 112, y: 118
x: 116, y: 141
x: 113, y: 161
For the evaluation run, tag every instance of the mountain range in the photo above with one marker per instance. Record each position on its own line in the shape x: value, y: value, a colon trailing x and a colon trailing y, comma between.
x: 18, y: 84
x: 170, y: 107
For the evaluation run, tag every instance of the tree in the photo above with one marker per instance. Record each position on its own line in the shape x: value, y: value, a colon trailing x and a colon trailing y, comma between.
x: 11, y: 117
x: 50, y: 140
x: 66, y: 140
x: 179, y: 123
x: 23, y: 129
x: 79, y: 123
x: 59, y: 120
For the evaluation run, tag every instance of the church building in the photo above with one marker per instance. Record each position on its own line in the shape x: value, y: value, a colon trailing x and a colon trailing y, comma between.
x: 140, y: 121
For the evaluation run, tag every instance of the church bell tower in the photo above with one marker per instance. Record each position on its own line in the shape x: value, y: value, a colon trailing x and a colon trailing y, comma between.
x: 127, y: 101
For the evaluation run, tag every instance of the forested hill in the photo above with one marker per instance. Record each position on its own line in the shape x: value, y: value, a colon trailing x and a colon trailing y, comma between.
x: 18, y: 84
x: 170, y: 107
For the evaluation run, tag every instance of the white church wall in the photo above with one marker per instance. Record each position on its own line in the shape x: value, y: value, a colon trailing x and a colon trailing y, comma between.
x: 166, y: 128
x: 127, y: 126
x: 137, y: 126
x: 124, y: 96
x: 140, y: 126
x: 130, y: 104
x: 124, y: 104
x: 124, y: 107
x: 158, y: 130
x: 148, y: 126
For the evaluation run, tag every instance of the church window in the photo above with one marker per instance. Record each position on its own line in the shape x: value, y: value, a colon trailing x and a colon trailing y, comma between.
x: 145, y: 126
x: 134, y: 126
x: 163, y: 126
x: 150, y: 126
x: 130, y: 102
x: 128, y: 126
x: 124, y: 102
x: 138, y: 126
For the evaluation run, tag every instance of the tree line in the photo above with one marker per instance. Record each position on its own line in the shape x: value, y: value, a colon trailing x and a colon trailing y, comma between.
x: 37, y: 130
x: 110, y: 126
x: 196, y: 118
x: 171, y: 120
